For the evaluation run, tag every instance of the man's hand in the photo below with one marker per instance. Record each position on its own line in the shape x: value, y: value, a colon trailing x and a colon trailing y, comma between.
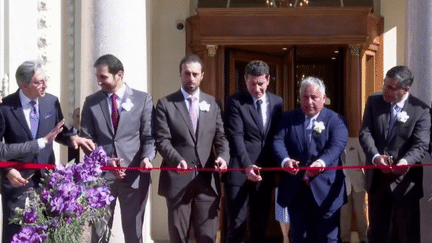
x: 49, y: 138
x: 86, y: 144
x: 221, y: 164
x: 381, y: 160
x: 116, y: 162
x: 291, y: 166
x: 253, y: 173
x: 398, y: 169
x: 182, y: 166
x: 315, y: 172
x: 146, y: 165
x: 15, y: 178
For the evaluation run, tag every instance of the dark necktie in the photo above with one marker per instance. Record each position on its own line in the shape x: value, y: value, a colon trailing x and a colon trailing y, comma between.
x: 115, y: 111
x: 260, y: 113
x: 193, y: 112
x: 34, y: 119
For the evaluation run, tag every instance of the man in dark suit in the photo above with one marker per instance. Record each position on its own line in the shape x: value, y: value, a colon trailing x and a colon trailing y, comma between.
x: 72, y: 152
x: 251, y: 118
x: 189, y: 134
x: 395, y: 131
x: 26, y: 115
x: 120, y: 119
x: 312, y: 136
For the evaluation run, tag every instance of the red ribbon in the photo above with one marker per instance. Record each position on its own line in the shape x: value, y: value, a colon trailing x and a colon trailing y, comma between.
x: 32, y: 166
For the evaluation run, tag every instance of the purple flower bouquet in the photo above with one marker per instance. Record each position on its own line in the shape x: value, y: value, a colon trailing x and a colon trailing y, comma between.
x: 71, y: 196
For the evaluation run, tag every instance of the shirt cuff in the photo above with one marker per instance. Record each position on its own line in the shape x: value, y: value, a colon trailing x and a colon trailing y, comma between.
x: 41, y: 143
x: 374, y: 157
x: 284, y: 161
x: 321, y: 162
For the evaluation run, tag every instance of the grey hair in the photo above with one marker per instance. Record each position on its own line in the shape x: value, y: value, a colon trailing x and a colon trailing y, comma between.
x: 25, y: 72
x: 312, y: 81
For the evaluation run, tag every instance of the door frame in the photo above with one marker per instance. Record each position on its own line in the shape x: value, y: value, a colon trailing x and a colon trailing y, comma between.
x: 211, y: 31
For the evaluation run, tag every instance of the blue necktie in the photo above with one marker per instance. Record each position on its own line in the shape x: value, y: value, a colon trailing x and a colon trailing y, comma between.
x: 34, y: 119
x: 308, y: 128
x: 394, y: 112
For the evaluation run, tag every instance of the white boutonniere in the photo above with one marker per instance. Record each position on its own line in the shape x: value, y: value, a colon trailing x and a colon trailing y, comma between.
x: 318, y: 127
x: 402, y: 116
x: 204, y: 106
x: 127, y: 105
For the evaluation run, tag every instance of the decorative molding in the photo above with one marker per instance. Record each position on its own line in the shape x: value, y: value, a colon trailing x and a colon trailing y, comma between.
x: 211, y: 50
x: 355, y: 50
x: 71, y: 56
x: 43, y: 43
x: 5, y: 86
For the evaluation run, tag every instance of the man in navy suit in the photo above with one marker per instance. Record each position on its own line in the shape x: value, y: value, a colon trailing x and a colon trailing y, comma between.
x: 26, y: 115
x: 395, y: 130
x: 251, y: 118
x: 312, y: 137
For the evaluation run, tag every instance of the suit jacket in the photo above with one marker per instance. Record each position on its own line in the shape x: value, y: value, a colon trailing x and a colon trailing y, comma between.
x: 250, y: 144
x: 18, y: 151
x: 328, y: 187
x: 408, y: 140
x: 354, y: 156
x: 176, y: 141
x: 133, y: 140
x: 72, y: 152
x: 14, y: 129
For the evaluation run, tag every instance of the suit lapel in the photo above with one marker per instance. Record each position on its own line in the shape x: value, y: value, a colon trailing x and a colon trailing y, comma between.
x: 300, y: 131
x: 180, y: 105
x: 254, y: 114
x: 124, y: 114
x: 103, y: 104
x: 17, y: 110
x: 408, y: 109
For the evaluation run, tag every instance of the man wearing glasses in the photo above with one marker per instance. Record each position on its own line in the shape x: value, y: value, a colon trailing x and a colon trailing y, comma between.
x: 26, y: 115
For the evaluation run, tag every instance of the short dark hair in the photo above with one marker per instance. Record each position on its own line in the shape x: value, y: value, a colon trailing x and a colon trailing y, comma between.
x: 189, y: 59
x: 26, y: 71
x: 402, y: 74
x: 113, y: 63
x: 257, y: 68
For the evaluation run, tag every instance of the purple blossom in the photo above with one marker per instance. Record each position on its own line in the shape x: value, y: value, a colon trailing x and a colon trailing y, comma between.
x: 30, y: 234
x: 44, y: 195
x: 30, y: 216
x: 79, y: 210
x: 99, y: 197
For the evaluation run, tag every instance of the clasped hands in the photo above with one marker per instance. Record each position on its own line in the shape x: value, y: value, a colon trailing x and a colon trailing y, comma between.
x: 292, y: 167
x: 219, y: 165
x: 386, y: 161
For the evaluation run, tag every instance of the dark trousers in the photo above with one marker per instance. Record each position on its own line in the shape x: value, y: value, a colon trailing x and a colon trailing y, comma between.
x: 198, y: 207
x: 11, y: 198
x: 310, y: 222
x: 393, y: 221
x: 132, y: 207
x: 248, y: 205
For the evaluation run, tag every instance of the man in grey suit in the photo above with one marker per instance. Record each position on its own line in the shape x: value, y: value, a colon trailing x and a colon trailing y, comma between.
x: 395, y: 132
x: 119, y: 118
x: 189, y: 134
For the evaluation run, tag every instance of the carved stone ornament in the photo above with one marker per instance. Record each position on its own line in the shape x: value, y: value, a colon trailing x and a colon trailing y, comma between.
x: 212, y: 50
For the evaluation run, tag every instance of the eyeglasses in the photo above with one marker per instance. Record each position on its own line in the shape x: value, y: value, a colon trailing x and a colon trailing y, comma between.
x: 39, y: 83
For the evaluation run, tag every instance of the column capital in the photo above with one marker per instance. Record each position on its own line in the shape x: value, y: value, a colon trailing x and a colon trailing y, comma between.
x: 211, y: 50
x: 355, y: 50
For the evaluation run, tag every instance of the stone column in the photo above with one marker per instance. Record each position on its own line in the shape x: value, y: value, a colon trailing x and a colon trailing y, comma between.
x: 419, y: 47
x: 419, y: 60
